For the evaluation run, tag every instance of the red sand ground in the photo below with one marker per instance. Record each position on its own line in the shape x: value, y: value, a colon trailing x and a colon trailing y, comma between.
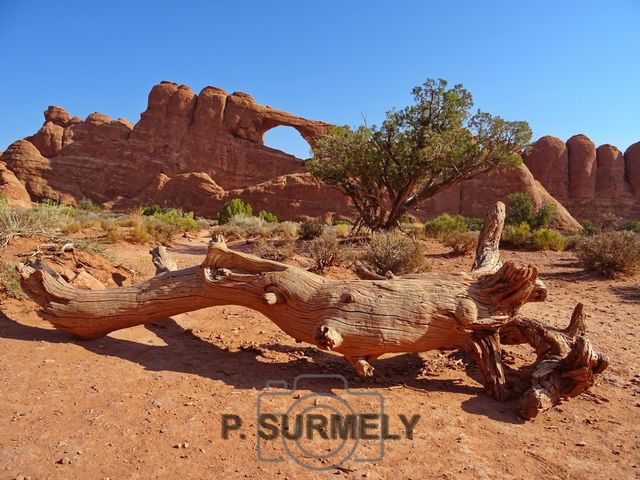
x: 147, y: 402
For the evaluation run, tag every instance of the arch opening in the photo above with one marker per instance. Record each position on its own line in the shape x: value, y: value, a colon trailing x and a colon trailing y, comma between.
x: 287, y: 140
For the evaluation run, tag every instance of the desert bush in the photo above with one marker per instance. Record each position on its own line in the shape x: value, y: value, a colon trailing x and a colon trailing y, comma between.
x: 44, y: 218
x: 10, y: 280
x: 633, y: 226
x: 286, y: 229
x: 310, y: 229
x: 444, y: 224
x: 611, y: 254
x: 394, y: 252
x: 547, y: 239
x: 111, y: 230
x: 181, y: 221
x: 242, y: 226
x: 324, y: 250
x: 268, y: 216
x: 608, y: 222
x: 235, y: 207
x: 461, y: 242
x: 150, y: 210
x: 474, y: 224
x: 278, y: 250
x: 517, y: 235
x: 588, y: 227
x: 86, y: 205
x: 520, y: 208
x: 342, y: 229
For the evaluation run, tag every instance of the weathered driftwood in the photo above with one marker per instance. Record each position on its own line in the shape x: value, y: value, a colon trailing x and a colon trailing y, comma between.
x: 361, y: 319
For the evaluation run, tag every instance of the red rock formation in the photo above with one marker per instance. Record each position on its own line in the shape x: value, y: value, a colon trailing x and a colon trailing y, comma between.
x: 199, y: 151
x: 582, y: 167
x: 476, y: 196
x: 601, y: 180
x: 632, y: 169
x: 548, y: 161
x: 12, y: 189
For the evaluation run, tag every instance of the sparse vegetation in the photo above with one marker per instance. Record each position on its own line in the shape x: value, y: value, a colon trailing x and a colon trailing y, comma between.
x: 633, y: 226
x: 310, y: 229
x: 445, y: 224
x: 268, y: 216
x: 10, y: 280
x: 517, y: 235
x: 44, y: 218
x: 324, y: 250
x: 243, y: 226
x: 86, y: 205
x: 611, y: 254
x: 278, y: 250
x: 233, y: 208
x: 461, y: 242
x: 394, y: 252
x: 520, y: 208
x: 588, y: 227
x: 547, y: 239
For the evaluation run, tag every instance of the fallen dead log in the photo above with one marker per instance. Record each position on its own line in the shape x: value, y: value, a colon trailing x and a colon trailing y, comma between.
x: 361, y: 319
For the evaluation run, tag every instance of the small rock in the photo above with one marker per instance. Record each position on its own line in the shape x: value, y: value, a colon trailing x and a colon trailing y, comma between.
x: 581, y: 443
x: 64, y: 461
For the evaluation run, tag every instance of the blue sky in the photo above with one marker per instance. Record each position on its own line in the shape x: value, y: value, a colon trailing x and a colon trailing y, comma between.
x: 566, y: 67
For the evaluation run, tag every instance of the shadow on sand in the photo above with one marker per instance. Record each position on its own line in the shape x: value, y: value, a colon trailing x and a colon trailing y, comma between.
x: 185, y: 352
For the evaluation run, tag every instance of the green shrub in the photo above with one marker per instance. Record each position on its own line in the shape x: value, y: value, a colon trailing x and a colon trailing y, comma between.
x: 546, y: 239
x: 343, y: 222
x: 520, y: 208
x: 545, y: 216
x: 461, y: 242
x: 242, y: 226
x: 394, y: 252
x: 233, y: 208
x: 633, y: 226
x: 150, y: 210
x: 517, y: 235
x: 279, y: 250
x: 310, y: 229
x: 324, y: 250
x: 474, y: 224
x: 445, y: 224
x: 588, y: 227
x: 10, y: 280
x: 268, y: 216
x: 88, y: 206
x: 611, y: 254
x: 342, y: 229
x: 181, y: 221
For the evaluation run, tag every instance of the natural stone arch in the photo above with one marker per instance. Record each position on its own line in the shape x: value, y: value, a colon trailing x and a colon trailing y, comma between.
x: 294, y: 132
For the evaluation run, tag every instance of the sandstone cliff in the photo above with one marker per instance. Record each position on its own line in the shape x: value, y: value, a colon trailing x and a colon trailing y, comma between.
x: 199, y: 151
x: 588, y: 181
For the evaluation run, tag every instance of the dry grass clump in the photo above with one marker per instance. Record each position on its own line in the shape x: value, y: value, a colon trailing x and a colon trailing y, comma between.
x: 325, y: 251
x: 10, y: 280
x: 611, y: 254
x: 461, y: 243
x: 277, y: 250
x: 394, y: 252
x: 44, y: 218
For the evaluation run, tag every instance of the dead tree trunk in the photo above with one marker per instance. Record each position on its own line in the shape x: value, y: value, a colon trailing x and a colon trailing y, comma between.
x: 362, y: 319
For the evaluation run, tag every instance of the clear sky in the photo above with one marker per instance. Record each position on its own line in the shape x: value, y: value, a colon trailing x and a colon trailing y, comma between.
x: 566, y: 67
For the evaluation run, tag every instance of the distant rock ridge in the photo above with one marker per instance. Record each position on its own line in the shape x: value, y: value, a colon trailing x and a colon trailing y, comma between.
x: 588, y: 181
x: 199, y: 151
